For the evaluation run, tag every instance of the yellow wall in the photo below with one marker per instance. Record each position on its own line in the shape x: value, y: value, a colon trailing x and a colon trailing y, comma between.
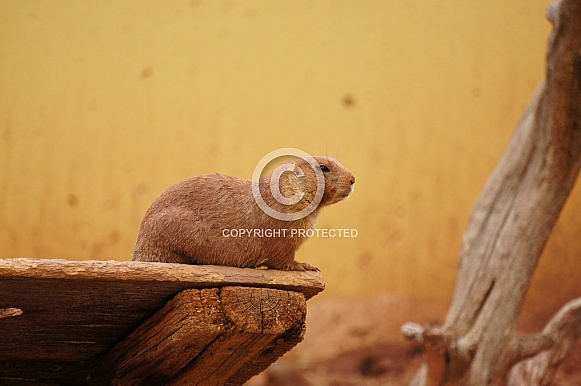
x: 103, y: 104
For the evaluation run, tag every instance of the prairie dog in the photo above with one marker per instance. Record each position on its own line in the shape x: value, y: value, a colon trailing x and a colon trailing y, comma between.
x: 189, y: 222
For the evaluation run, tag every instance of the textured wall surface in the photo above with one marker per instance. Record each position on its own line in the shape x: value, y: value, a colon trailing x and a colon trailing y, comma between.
x: 104, y: 104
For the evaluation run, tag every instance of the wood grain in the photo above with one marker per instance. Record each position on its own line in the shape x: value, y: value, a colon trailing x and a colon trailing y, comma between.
x: 70, y: 312
x: 207, y: 337
x: 179, y: 276
x: 166, y: 342
x: 265, y: 324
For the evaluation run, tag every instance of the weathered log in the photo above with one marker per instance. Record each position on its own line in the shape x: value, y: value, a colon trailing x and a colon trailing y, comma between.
x: 57, y: 317
x: 509, y: 227
x: 264, y: 325
x: 207, y: 336
x: 164, y: 343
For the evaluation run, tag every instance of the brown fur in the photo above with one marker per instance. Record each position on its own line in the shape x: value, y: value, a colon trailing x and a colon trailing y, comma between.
x: 185, y: 223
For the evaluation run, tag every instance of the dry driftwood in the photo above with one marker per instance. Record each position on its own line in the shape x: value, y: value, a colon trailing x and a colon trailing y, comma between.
x: 564, y: 329
x: 507, y: 231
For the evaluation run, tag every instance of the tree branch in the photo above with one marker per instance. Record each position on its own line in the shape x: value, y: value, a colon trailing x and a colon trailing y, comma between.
x: 564, y: 329
x: 511, y: 223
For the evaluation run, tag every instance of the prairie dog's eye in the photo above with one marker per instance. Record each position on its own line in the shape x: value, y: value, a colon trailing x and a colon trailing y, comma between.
x: 323, y: 168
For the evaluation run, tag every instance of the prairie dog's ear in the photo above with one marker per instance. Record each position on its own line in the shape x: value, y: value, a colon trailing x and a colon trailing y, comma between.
x: 298, y: 171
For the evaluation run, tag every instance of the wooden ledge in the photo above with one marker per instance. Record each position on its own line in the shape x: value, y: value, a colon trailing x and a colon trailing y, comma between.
x: 75, y: 322
x: 179, y: 276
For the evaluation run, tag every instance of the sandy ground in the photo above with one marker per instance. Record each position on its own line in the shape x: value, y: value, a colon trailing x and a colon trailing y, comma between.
x: 357, y: 342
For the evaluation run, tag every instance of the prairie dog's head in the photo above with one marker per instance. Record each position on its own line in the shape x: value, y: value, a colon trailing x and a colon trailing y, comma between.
x: 322, y: 174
